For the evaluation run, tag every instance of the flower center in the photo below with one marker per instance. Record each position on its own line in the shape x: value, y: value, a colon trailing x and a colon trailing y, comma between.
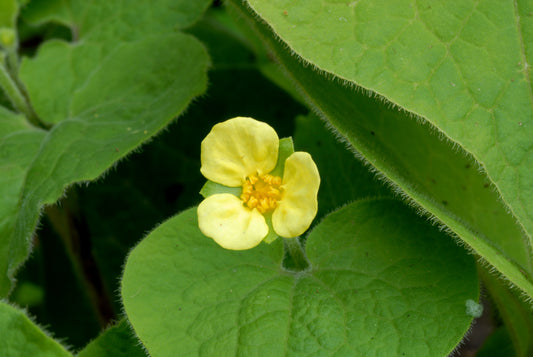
x: 261, y: 192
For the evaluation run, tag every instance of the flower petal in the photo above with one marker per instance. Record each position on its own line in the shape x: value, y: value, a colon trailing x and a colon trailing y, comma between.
x: 299, y: 203
x: 233, y: 226
x: 238, y: 148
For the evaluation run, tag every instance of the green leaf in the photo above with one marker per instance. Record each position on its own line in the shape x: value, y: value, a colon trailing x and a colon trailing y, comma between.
x: 11, y: 122
x: 70, y: 295
x: 19, y: 143
x: 37, y: 12
x: 212, y: 188
x: 21, y: 337
x: 516, y: 314
x: 286, y: 149
x: 116, y: 341
x: 101, y: 19
x: 225, y: 47
x: 8, y: 14
x: 102, y: 29
x: 444, y: 181
x: 463, y: 68
x: 104, y: 105
x: 164, y: 177
x: 381, y: 282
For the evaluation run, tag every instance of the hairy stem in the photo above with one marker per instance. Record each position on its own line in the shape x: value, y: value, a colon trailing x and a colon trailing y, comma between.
x: 12, y: 61
x: 294, y: 255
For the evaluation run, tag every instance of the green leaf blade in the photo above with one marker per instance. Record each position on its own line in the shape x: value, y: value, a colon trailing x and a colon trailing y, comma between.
x: 198, y: 315
x: 21, y: 337
x: 116, y: 341
x: 374, y: 279
x: 8, y: 13
x: 427, y: 170
x: 19, y: 143
x: 127, y: 19
x: 83, y: 147
x: 38, y: 12
x: 389, y: 278
x: 105, y: 98
x: 137, y: 18
x: 430, y: 59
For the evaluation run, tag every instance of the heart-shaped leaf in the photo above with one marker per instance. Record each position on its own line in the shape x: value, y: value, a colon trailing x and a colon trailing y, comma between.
x: 381, y: 282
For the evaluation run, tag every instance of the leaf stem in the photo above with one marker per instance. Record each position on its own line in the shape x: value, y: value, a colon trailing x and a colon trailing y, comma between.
x: 16, y: 96
x: 294, y: 257
x: 12, y: 61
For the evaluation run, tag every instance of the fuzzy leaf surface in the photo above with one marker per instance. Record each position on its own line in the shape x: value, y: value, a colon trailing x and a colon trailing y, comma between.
x: 382, y: 282
x: 122, y: 18
x: 464, y: 68
x: 19, y: 143
x: 21, y: 337
x: 116, y: 341
x: 105, y: 95
x: 426, y: 169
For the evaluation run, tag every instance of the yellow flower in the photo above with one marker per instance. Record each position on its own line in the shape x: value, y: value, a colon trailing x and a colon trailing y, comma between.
x: 243, y: 152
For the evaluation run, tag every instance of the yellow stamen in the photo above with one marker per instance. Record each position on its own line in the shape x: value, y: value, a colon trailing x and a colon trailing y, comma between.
x: 261, y: 192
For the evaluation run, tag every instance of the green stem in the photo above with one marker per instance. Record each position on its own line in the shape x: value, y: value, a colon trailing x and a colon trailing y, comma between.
x: 12, y: 61
x: 295, y: 258
x: 16, y: 97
